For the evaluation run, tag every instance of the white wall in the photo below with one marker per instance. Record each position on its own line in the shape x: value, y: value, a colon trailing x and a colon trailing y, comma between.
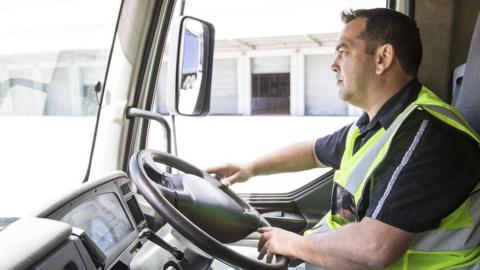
x: 271, y: 64
x: 321, y: 95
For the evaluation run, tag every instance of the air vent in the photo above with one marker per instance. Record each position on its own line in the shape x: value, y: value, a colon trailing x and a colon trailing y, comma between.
x: 136, y: 213
x: 125, y: 188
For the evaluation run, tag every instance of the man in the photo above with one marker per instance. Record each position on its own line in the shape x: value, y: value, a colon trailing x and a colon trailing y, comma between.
x: 408, y: 170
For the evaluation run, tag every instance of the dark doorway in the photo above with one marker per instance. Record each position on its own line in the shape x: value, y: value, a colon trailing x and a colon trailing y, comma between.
x: 271, y: 93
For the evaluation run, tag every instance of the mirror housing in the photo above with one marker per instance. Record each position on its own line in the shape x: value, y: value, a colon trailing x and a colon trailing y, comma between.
x: 191, y: 59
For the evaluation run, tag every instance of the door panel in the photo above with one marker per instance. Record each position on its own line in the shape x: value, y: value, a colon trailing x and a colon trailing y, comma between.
x: 298, y: 210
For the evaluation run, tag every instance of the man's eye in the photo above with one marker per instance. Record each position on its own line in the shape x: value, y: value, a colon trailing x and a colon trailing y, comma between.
x: 341, y: 52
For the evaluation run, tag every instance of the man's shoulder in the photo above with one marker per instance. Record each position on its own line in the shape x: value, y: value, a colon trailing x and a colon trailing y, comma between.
x: 416, y: 118
x: 432, y: 132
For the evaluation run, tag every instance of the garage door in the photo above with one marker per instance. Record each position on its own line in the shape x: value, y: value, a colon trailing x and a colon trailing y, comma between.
x: 271, y: 85
x: 224, y: 87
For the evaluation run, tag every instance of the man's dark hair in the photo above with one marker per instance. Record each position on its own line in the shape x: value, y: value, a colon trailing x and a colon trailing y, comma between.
x: 387, y: 26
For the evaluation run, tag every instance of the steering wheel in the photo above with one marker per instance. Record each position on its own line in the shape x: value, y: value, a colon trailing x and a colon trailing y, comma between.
x: 199, y: 207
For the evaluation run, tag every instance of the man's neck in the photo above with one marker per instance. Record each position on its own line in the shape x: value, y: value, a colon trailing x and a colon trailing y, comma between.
x: 384, y: 90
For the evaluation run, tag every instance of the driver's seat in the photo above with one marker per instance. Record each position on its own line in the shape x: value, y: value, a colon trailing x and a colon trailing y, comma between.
x: 468, y: 100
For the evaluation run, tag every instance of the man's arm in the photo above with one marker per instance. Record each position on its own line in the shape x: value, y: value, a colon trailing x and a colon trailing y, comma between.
x: 296, y: 157
x: 369, y: 244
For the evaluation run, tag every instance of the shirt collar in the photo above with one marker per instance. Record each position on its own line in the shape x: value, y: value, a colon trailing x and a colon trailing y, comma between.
x: 394, y: 106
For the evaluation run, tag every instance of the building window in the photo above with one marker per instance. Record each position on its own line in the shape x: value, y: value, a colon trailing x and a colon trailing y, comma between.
x: 271, y: 93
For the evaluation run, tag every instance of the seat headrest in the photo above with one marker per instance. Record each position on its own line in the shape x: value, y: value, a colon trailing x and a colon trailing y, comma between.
x: 468, y: 101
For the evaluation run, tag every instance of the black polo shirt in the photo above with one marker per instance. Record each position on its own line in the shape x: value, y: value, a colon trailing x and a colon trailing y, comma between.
x: 429, y: 170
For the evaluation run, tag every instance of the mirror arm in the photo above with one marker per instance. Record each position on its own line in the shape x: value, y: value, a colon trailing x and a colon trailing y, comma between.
x: 182, y: 7
x: 138, y: 113
x: 174, y: 130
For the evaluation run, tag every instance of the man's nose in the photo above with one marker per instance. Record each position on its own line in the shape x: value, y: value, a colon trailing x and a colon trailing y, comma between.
x: 335, y: 67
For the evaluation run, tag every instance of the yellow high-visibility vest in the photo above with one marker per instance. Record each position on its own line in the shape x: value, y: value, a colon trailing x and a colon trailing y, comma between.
x: 455, y: 244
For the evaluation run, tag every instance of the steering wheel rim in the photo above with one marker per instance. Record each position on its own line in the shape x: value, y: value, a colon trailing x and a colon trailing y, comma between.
x: 180, y: 222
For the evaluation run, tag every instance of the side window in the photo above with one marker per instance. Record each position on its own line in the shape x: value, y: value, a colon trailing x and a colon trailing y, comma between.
x: 272, y: 84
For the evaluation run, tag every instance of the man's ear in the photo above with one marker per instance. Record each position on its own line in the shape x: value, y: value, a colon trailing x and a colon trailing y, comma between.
x: 384, y: 57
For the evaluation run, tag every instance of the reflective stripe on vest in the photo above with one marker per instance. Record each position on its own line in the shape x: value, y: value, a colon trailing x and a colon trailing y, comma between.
x: 449, y: 238
x: 361, y: 171
x: 455, y: 243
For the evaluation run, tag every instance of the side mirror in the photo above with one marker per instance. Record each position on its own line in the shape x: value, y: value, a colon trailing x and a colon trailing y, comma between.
x: 191, y: 57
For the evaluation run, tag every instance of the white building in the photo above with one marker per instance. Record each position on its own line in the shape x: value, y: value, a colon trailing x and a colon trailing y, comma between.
x: 286, y: 75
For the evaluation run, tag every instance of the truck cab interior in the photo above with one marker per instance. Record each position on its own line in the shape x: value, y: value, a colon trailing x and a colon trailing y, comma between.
x: 140, y: 208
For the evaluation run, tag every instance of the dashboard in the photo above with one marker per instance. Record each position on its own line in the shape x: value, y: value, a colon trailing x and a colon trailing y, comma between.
x: 103, y: 219
x: 99, y: 225
x: 108, y: 213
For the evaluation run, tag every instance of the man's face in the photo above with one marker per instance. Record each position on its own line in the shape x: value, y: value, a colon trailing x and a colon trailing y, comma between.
x: 354, y: 68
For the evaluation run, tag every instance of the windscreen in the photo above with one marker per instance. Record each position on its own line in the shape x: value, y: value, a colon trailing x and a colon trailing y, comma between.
x: 53, y: 61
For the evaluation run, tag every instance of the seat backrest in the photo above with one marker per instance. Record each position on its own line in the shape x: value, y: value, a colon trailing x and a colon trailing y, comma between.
x: 468, y: 99
x: 457, y: 81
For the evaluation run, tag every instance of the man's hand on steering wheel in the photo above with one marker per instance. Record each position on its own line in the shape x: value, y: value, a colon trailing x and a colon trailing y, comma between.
x: 277, y: 241
x: 230, y: 174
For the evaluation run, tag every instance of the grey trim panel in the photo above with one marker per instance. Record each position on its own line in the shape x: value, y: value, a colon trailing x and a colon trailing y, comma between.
x: 28, y: 240
x: 85, y: 187
x: 469, y: 94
